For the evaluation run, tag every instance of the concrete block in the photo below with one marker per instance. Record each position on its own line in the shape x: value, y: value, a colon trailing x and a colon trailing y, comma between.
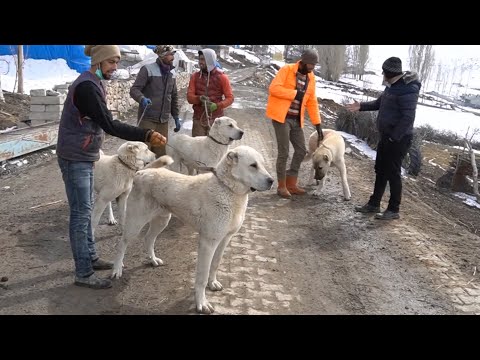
x: 38, y: 92
x: 37, y: 108
x: 54, y: 108
x: 47, y: 100
x: 44, y: 115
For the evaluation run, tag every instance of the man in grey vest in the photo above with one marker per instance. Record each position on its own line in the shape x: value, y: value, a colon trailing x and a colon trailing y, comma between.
x: 155, y: 89
x: 84, y: 119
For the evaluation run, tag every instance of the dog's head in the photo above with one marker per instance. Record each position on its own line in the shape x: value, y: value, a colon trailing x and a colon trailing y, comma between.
x: 225, y: 130
x: 135, y: 154
x: 243, y: 170
x: 321, y: 160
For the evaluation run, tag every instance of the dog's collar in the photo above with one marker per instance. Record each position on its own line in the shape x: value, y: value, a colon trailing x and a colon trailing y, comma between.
x: 127, y: 165
x: 218, y: 142
x: 326, y: 147
x: 208, y: 168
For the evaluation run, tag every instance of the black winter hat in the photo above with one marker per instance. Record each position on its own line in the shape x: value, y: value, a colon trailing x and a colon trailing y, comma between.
x: 392, y: 66
x: 309, y: 56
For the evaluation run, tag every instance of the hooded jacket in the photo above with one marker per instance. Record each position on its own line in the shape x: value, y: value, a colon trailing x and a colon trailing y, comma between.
x: 282, y: 92
x: 396, y: 107
x: 215, y: 84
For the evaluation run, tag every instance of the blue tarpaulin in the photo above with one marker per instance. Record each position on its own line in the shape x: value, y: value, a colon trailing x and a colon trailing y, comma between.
x: 73, y: 54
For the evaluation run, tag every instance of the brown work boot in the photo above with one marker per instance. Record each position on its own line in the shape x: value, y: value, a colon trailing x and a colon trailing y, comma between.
x: 282, y: 190
x: 292, y: 186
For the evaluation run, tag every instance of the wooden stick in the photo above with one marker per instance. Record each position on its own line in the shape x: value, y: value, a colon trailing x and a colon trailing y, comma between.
x: 5, y: 113
x: 42, y: 205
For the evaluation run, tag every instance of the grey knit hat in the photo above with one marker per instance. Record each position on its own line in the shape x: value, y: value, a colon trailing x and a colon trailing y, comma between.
x: 309, y: 56
x: 392, y: 65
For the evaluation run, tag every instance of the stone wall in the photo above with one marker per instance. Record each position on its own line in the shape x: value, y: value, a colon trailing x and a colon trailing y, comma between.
x: 119, y: 100
x: 118, y: 94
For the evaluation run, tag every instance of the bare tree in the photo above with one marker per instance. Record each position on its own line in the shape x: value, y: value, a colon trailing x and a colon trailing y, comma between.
x: 440, y: 78
x: 453, y: 76
x: 422, y: 60
x: 363, y: 57
x: 351, y: 55
x: 331, y: 60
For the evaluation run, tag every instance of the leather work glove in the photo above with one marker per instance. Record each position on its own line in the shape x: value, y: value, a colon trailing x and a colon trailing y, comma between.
x: 157, y: 139
x: 146, y: 102
x: 300, y: 95
x: 178, y: 125
x: 204, y: 98
x: 319, y: 132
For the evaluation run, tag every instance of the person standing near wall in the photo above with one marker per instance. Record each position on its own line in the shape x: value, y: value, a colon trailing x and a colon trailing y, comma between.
x: 155, y: 89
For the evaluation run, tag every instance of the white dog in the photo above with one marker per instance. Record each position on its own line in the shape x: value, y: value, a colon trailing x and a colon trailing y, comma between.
x: 213, y: 204
x: 201, y: 151
x: 113, y: 178
x: 330, y: 152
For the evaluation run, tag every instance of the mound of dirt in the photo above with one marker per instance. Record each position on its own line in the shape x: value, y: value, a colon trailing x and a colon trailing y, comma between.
x: 14, y: 109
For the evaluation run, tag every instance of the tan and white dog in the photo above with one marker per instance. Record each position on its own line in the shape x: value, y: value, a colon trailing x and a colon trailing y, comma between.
x: 330, y: 152
x: 201, y: 151
x: 213, y: 204
x: 113, y: 178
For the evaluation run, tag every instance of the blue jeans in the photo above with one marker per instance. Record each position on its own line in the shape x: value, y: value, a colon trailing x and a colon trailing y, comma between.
x: 78, y: 179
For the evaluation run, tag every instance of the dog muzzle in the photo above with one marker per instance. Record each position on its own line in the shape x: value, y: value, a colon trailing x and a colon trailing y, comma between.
x: 319, y: 175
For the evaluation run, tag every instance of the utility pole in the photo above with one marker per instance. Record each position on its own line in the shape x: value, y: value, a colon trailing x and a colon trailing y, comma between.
x: 20, y: 69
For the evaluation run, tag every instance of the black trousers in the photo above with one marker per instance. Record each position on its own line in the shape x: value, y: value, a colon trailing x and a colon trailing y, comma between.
x: 388, y: 167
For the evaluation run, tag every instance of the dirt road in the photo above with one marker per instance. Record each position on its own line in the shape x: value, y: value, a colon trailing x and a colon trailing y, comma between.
x: 302, y: 256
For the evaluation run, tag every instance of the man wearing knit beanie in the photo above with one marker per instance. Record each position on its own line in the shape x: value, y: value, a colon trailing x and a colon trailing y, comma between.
x: 392, y: 67
x: 396, y: 108
x: 85, y: 118
x: 155, y: 89
x: 309, y: 56
x: 291, y: 92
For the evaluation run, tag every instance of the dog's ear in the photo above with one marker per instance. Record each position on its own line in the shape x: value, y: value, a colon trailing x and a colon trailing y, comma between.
x: 132, y: 148
x: 232, y: 157
x: 325, y: 157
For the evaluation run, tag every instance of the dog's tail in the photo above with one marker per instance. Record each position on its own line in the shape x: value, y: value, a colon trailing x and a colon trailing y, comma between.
x: 160, y: 162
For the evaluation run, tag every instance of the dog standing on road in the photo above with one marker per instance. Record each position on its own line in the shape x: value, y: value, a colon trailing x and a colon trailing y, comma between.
x: 213, y: 204
x: 330, y: 152
x: 113, y: 178
x: 203, y: 150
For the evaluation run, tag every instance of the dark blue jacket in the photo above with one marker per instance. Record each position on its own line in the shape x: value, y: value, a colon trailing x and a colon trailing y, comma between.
x: 396, y: 107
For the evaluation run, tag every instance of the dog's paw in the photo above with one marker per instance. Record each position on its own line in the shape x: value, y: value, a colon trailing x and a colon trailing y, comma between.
x: 156, y: 261
x: 205, y: 308
x: 215, y: 285
x: 112, y: 221
x: 117, y: 271
x: 317, y: 193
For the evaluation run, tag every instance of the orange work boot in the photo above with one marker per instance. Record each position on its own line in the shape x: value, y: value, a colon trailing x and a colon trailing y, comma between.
x: 292, y: 186
x: 282, y: 190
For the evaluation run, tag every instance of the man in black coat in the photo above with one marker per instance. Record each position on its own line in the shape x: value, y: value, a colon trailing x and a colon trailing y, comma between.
x: 396, y: 114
